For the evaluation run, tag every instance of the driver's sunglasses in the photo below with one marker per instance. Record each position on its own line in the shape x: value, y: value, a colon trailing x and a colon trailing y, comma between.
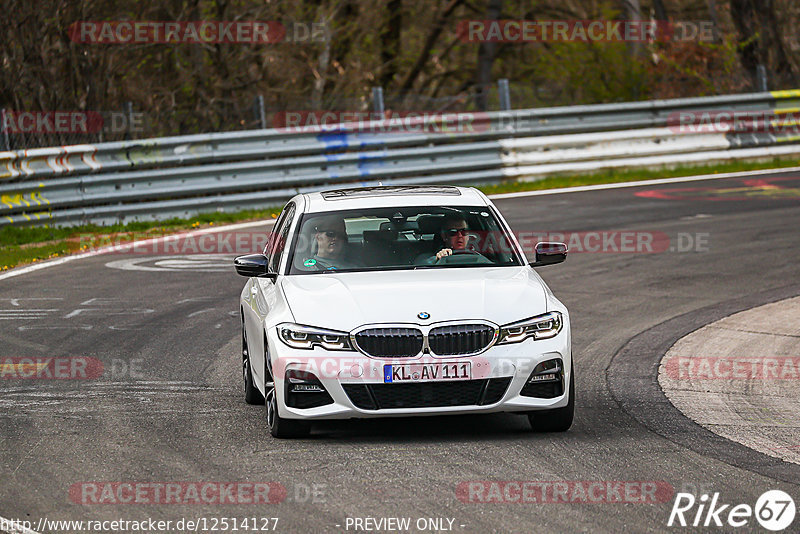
x: 452, y: 232
x: 330, y: 233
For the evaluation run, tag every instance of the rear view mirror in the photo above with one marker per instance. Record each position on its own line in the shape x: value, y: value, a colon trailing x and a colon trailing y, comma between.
x: 548, y: 253
x: 253, y: 265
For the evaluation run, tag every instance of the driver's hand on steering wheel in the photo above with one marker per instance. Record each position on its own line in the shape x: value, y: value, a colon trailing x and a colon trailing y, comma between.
x: 444, y: 252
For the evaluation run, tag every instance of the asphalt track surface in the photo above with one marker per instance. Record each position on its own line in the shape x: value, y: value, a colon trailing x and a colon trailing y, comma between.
x: 180, y: 415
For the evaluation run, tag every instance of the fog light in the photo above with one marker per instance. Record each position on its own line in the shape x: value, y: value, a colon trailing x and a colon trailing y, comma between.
x: 546, y: 381
x: 303, y: 382
x: 306, y: 388
x: 543, y: 378
x: 547, y: 371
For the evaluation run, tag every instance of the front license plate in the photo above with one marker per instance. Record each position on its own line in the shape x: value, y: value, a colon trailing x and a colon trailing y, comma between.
x: 427, y: 372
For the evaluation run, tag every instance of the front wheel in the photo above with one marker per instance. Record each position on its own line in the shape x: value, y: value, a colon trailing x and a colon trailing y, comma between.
x: 251, y: 393
x: 558, y: 419
x: 278, y: 426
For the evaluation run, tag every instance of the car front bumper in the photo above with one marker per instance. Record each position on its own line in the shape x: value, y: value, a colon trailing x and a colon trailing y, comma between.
x: 344, y: 374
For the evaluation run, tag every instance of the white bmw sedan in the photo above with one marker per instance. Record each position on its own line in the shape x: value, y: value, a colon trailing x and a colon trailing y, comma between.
x: 402, y: 301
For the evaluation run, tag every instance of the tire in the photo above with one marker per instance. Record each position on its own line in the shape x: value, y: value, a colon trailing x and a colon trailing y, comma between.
x: 251, y: 393
x: 558, y: 419
x: 278, y: 426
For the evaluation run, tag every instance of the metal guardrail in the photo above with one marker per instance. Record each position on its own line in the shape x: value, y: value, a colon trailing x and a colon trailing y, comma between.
x: 181, y: 176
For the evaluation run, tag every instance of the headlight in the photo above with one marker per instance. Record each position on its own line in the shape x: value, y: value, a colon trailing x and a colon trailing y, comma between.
x: 299, y: 336
x: 539, y: 327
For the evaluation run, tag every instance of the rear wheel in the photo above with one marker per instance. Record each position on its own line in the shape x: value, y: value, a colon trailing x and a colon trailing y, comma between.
x: 558, y: 419
x: 251, y: 393
x: 278, y: 426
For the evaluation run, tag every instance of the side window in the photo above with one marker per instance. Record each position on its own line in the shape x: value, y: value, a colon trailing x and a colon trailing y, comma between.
x: 279, y: 237
x: 271, y: 237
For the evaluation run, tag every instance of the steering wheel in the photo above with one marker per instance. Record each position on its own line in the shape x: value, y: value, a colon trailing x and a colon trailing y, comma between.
x: 466, y: 251
x: 465, y: 254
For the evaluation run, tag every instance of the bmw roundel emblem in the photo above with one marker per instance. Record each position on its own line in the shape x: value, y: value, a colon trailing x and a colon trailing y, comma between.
x: 424, y: 315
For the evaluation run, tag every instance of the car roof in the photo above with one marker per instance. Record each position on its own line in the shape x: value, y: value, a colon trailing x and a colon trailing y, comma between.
x: 393, y: 195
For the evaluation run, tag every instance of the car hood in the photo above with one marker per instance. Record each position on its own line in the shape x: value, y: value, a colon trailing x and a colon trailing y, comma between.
x: 344, y: 301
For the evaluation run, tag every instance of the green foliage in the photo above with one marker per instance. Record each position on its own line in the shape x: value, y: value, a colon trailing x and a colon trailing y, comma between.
x: 190, y: 88
x: 11, y: 236
x: 610, y: 176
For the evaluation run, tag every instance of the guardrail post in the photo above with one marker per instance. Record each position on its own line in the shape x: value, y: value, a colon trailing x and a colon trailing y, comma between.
x: 6, y: 141
x: 505, y: 94
x: 761, y: 74
x: 129, y: 120
x: 258, y: 109
x: 377, y: 100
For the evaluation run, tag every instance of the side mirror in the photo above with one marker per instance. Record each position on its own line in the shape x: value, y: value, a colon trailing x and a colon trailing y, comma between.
x: 549, y: 253
x: 253, y: 265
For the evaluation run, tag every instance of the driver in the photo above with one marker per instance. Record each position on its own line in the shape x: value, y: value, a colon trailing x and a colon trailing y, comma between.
x: 455, y: 237
x: 331, y: 238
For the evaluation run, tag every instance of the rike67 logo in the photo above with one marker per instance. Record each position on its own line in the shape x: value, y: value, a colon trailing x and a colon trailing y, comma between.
x: 774, y: 510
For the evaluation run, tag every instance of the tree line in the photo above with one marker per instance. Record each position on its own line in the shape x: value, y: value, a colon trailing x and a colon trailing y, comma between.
x: 333, y: 52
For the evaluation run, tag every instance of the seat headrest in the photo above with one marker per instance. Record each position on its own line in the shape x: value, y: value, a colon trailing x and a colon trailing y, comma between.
x: 372, y: 236
x: 429, y: 224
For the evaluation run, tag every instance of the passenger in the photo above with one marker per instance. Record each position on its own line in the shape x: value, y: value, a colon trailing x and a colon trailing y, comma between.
x: 331, y: 239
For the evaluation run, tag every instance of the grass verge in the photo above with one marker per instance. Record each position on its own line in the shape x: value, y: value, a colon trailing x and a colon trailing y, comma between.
x: 613, y: 176
x: 23, y: 245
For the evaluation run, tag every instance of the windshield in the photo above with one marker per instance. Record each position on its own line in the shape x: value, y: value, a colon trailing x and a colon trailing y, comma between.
x: 400, y: 238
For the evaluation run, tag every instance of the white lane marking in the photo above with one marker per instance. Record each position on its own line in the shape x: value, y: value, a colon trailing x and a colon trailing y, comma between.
x: 195, y: 299
x: 119, y: 248
x: 22, y: 314
x: 26, y: 313
x: 200, y: 311
x: 76, y: 327
x: 73, y: 313
x: 15, y: 301
x: 658, y: 181
x: 99, y: 300
x: 205, y: 263
x: 132, y: 311
x: 29, y: 310
x: 192, y: 263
